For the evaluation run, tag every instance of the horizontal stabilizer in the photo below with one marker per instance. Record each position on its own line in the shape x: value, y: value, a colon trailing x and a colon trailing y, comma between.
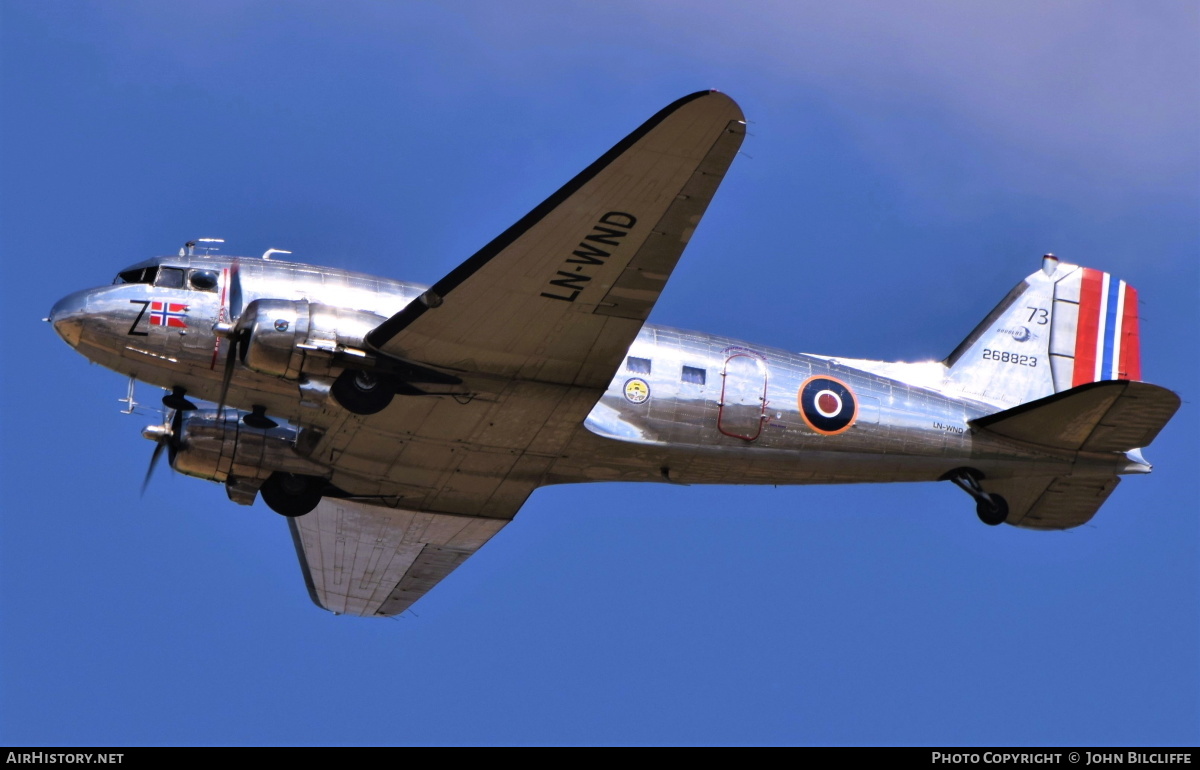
x: 1106, y: 416
x: 1057, y: 503
x: 368, y: 560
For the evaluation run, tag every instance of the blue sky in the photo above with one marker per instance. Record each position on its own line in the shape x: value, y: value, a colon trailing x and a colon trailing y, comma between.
x: 907, y: 164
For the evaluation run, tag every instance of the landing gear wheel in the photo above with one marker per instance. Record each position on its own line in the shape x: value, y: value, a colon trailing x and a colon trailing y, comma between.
x: 992, y: 512
x: 291, y: 494
x: 991, y: 508
x: 363, y: 392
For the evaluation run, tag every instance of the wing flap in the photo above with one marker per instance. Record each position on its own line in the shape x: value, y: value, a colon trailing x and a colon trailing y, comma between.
x: 1107, y: 416
x: 560, y: 295
x: 373, y: 561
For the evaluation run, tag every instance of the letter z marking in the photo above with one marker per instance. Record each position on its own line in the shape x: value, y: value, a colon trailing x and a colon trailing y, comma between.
x: 133, y: 332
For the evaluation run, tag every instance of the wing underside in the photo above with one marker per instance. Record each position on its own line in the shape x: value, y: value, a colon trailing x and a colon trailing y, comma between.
x: 373, y: 561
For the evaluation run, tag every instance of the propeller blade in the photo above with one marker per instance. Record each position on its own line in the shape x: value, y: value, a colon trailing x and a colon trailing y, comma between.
x: 227, y: 376
x: 176, y: 438
x: 235, y: 291
x: 238, y: 337
x: 168, y: 436
x: 159, y: 446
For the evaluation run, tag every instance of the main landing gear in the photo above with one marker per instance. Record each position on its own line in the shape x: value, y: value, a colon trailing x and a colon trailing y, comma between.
x: 292, y: 494
x: 992, y: 509
x: 363, y: 392
x: 289, y: 494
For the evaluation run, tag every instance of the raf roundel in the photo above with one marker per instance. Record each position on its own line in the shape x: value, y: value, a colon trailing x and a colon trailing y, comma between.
x: 827, y: 405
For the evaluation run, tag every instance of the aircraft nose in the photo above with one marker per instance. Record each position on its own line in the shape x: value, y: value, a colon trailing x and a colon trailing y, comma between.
x: 69, y: 315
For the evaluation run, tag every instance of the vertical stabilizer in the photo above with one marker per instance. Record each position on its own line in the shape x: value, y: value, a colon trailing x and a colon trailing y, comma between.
x: 1061, y: 327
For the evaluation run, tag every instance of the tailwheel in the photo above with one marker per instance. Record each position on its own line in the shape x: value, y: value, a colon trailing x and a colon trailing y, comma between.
x: 363, y: 392
x: 992, y: 509
x: 292, y: 494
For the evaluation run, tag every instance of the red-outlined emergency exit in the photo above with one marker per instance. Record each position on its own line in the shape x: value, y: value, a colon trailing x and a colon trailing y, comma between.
x: 743, y: 406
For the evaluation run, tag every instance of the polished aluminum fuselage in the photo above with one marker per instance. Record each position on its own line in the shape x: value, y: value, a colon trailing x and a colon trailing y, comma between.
x: 685, y: 407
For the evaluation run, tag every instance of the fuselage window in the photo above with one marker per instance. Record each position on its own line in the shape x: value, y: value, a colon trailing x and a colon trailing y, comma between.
x: 637, y: 365
x: 692, y: 374
x: 203, y: 280
x: 170, y: 278
x: 137, y: 275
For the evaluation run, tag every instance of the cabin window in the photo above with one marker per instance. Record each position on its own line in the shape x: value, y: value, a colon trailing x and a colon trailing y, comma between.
x: 137, y: 275
x: 693, y: 375
x: 203, y: 280
x: 170, y: 278
x: 637, y: 365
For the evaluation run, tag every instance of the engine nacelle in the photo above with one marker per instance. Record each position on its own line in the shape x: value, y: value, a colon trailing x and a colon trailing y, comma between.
x: 287, y: 338
x: 224, y: 448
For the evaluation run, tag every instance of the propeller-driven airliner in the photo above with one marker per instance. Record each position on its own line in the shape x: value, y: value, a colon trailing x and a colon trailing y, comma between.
x: 398, y: 426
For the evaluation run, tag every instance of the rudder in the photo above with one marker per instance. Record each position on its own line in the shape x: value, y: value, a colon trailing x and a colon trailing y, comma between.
x: 1095, y: 332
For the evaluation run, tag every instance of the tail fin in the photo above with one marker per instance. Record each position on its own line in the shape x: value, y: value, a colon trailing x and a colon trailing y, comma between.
x: 1061, y: 327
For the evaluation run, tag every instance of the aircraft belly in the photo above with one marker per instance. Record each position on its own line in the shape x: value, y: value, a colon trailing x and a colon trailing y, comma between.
x: 481, y: 455
x: 202, y: 381
x: 594, y: 458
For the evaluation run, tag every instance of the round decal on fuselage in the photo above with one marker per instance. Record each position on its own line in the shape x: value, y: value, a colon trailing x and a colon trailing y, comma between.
x: 636, y: 390
x: 827, y: 405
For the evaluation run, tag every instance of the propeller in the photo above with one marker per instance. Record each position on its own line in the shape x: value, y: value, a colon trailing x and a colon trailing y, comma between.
x: 165, y: 437
x: 238, y: 337
x: 235, y: 290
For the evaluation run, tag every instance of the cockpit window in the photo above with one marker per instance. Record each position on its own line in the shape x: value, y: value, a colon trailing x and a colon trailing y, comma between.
x: 203, y: 280
x: 170, y: 278
x: 137, y: 275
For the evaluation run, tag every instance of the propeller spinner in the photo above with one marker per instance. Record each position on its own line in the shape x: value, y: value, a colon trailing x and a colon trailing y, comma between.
x: 168, y: 436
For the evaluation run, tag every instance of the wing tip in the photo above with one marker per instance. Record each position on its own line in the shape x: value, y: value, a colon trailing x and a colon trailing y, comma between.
x: 708, y: 93
x: 380, y: 336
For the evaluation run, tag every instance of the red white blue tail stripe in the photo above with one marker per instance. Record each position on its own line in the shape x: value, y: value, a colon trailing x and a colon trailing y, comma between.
x: 1107, y: 346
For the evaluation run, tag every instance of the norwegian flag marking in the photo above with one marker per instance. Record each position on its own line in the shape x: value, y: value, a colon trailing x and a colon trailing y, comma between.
x: 168, y: 314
